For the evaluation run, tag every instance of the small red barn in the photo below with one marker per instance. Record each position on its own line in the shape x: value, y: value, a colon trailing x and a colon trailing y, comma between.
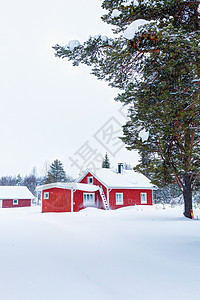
x: 15, y: 196
x: 106, y: 189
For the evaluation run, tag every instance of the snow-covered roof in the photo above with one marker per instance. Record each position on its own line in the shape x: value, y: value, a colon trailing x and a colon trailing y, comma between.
x: 127, y: 179
x: 15, y: 192
x: 69, y: 185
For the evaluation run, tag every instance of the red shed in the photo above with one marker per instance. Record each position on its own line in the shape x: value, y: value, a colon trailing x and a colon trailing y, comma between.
x: 119, y: 187
x: 67, y: 197
x: 15, y: 196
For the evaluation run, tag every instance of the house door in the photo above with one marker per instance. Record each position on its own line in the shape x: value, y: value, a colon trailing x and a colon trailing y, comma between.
x: 1, y: 201
x: 89, y: 199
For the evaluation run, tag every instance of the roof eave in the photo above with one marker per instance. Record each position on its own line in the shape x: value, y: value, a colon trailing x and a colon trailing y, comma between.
x: 132, y: 187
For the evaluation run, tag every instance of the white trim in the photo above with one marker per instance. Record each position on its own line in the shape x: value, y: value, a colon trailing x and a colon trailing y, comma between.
x: 16, y: 202
x: 72, y: 200
x: 108, y: 196
x: 107, y: 192
x: 46, y: 195
x: 83, y: 175
x: 92, y: 203
x: 117, y: 200
x: 143, y: 201
x: 41, y: 201
x: 1, y: 203
x: 88, y: 179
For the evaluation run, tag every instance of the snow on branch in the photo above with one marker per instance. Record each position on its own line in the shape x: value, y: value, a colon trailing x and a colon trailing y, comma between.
x: 129, y: 33
x: 144, y: 135
x: 115, y: 13
x: 72, y: 45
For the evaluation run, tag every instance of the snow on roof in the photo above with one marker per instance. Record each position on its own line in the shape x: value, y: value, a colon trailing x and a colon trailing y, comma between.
x: 69, y: 185
x: 15, y: 192
x: 128, y: 179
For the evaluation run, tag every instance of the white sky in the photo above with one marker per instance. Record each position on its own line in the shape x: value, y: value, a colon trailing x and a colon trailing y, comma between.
x: 49, y: 109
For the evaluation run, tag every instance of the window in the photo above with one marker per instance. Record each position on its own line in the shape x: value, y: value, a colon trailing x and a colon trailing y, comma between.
x: 46, y: 195
x: 143, y: 198
x: 88, y: 199
x: 15, y: 202
x: 119, y: 198
x: 90, y: 180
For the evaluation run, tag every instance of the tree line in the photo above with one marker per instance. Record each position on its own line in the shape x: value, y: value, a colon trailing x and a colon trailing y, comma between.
x: 55, y: 173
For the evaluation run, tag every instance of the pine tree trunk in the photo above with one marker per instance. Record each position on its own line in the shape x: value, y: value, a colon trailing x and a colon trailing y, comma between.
x: 187, y: 195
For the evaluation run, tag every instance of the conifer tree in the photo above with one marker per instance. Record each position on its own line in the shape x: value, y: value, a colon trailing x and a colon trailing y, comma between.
x: 19, y: 180
x: 106, y: 162
x: 56, y: 173
x: 157, y: 68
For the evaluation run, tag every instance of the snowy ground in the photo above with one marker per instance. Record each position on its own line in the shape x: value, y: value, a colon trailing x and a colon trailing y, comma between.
x: 136, y: 253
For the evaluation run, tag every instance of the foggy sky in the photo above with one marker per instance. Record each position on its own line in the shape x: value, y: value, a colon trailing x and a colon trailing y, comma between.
x: 50, y: 109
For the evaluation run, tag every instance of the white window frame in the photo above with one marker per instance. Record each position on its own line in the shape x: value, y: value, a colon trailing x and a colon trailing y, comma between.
x: 46, y: 195
x: 15, y: 201
x: 143, y: 198
x: 89, y: 199
x: 88, y: 180
x: 119, y: 199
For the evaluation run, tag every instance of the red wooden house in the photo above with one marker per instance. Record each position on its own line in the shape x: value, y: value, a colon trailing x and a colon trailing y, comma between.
x: 119, y: 188
x: 106, y: 189
x: 15, y: 196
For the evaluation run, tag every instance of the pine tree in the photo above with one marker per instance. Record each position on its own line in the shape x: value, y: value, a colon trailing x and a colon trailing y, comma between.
x: 56, y: 173
x: 19, y: 180
x: 106, y: 162
x: 157, y: 69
